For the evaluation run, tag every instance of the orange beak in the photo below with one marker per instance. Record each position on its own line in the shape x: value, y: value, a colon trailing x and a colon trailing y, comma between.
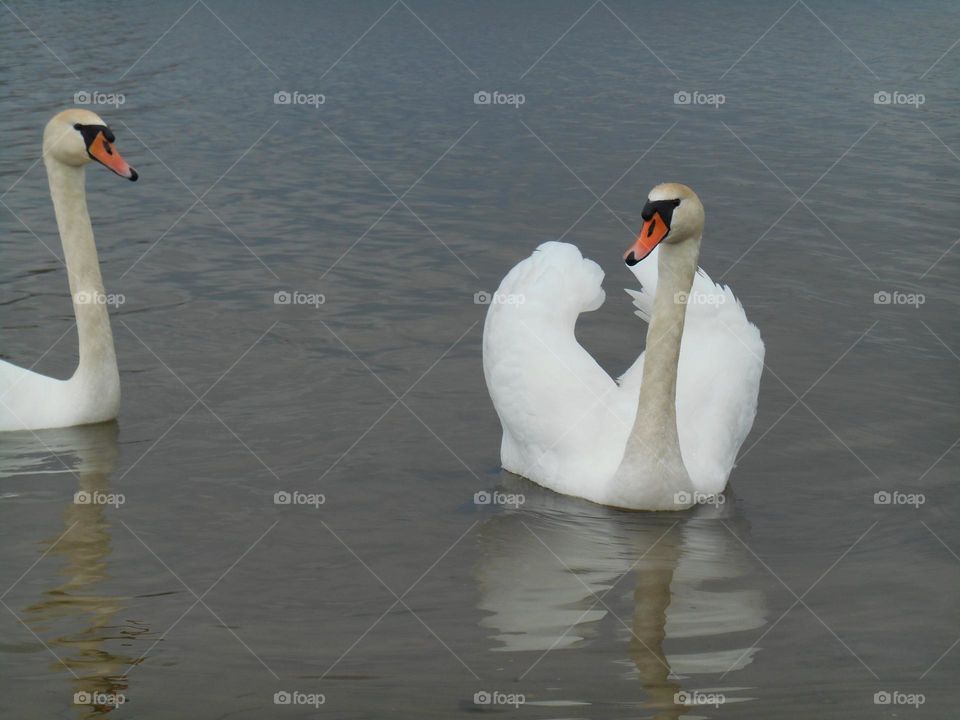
x: 104, y: 153
x: 653, y: 231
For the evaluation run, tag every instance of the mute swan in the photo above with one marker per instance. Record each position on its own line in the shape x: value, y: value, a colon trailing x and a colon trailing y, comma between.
x: 663, y: 437
x: 28, y: 400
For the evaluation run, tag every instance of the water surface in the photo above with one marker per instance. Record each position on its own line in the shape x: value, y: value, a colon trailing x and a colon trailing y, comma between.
x: 399, y: 596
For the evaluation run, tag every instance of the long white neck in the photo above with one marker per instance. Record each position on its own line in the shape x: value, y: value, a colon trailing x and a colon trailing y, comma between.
x: 652, y: 473
x: 656, y: 421
x: 98, y: 362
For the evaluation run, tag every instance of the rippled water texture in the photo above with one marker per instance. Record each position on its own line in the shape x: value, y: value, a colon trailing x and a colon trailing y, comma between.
x: 397, y: 199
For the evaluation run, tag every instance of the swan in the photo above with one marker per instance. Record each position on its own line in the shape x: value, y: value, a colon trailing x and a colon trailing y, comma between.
x: 29, y: 400
x: 665, y: 435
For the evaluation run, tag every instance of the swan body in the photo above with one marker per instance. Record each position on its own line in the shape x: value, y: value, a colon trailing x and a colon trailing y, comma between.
x: 29, y: 400
x: 666, y: 434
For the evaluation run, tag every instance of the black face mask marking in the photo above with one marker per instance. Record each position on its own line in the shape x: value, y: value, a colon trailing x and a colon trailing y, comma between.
x: 90, y: 133
x: 663, y: 207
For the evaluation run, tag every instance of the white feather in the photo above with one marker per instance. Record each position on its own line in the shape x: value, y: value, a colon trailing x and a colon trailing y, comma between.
x: 566, y: 421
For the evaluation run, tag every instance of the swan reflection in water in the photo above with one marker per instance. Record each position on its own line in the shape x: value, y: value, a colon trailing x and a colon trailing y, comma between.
x: 546, y: 567
x: 79, y: 624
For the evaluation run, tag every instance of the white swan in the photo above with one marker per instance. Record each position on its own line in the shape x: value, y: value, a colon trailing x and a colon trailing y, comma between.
x: 666, y: 435
x: 28, y: 400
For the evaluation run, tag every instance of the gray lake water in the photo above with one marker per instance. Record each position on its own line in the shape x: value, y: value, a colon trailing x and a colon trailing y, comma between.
x: 399, y: 596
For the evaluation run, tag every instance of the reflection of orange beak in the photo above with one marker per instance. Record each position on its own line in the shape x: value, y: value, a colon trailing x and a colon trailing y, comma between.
x: 104, y: 153
x: 653, y: 231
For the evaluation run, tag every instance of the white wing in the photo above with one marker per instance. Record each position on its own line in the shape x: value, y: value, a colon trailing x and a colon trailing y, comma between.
x: 563, y: 417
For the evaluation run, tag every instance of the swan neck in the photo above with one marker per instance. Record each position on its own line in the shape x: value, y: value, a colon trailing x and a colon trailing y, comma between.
x: 657, y: 408
x: 97, y: 355
x: 652, y: 471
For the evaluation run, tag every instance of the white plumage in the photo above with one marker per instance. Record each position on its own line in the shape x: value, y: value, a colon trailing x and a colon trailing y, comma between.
x: 29, y: 400
x: 566, y: 422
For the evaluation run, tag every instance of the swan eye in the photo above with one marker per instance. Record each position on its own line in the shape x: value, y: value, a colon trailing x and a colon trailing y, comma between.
x: 77, y: 126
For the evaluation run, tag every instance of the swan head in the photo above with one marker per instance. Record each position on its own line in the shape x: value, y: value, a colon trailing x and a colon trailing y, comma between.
x: 76, y: 136
x: 673, y: 214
